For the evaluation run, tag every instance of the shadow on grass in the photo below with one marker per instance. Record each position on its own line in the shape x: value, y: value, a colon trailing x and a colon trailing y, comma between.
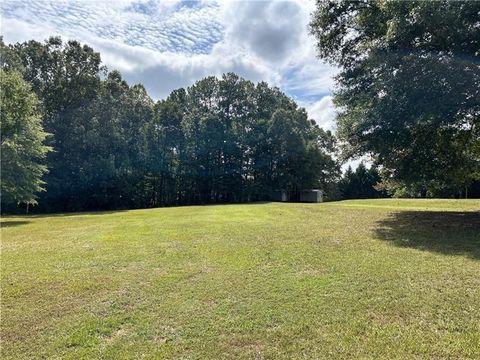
x: 5, y: 224
x: 77, y: 213
x: 450, y: 233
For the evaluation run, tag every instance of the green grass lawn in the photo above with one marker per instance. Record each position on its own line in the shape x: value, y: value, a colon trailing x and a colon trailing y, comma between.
x: 368, y: 278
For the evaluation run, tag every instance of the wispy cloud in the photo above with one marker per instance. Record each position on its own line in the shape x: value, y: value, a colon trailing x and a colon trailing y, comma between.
x: 170, y: 44
x: 165, y: 26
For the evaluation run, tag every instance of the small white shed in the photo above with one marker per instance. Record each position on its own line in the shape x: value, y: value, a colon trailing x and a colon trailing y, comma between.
x: 313, y: 196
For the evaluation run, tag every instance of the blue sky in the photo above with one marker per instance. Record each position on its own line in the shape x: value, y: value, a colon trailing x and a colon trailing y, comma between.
x: 170, y: 44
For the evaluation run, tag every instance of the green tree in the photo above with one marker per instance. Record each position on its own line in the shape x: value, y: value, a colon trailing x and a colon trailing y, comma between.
x: 112, y: 153
x: 66, y: 79
x: 361, y: 183
x: 165, y: 140
x: 240, y: 142
x: 23, y: 150
x: 220, y: 140
x: 9, y: 59
x: 408, y: 90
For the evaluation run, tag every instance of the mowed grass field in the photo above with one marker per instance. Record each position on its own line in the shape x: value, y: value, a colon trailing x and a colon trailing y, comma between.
x: 351, y: 279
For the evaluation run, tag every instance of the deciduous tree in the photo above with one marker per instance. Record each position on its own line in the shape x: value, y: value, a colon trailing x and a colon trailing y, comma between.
x: 23, y: 148
x: 409, y: 87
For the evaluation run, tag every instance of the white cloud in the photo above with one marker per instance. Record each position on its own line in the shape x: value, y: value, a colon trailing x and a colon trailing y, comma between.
x: 14, y: 30
x: 170, y: 44
x: 160, y: 26
x: 323, y: 112
x: 276, y: 33
x: 272, y: 31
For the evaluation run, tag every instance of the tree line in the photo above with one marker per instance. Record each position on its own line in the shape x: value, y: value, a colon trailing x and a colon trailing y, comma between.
x: 107, y: 145
x: 75, y: 136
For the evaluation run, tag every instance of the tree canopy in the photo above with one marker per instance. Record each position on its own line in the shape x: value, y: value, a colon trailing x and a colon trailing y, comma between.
x: 22, y: 141
x: 361, y: 183
x: 220, y: 140
x: 408, y: 90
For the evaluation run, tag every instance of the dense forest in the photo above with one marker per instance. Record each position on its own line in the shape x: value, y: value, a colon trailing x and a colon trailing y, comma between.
x: 109, y: 145
x: 408, y: 92
x: 75, y: 136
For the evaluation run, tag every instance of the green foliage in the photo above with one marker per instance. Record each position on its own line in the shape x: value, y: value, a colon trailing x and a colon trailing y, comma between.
x: 238, y: 141
x: 9, y: 59
x: 361, y: 183
x: 22, y: 141
x: 220, y: 140
x: 408, y: 90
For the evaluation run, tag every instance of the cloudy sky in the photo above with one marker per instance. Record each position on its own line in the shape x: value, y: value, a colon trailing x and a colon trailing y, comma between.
x: 170, y: 44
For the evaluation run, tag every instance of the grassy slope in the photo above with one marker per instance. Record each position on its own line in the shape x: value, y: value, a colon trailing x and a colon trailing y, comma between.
x: 377, y: 278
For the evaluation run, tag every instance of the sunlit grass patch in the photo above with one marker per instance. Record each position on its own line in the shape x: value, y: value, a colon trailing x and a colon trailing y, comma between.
x: 373, y: 278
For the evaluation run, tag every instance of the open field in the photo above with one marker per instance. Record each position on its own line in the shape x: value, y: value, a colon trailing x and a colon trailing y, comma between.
x: 368, y: 278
